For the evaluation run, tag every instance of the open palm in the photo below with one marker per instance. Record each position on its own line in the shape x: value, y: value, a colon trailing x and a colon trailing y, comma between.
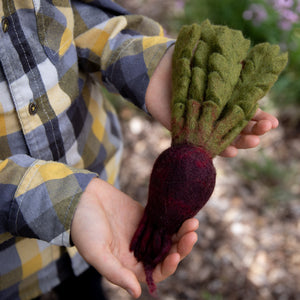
x: 102, y: 229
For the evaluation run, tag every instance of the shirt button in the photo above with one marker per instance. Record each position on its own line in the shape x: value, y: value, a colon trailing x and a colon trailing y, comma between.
x: 5, y: 24
x: 32, y: 108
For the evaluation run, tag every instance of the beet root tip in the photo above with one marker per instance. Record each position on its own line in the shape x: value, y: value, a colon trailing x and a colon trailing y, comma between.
x: 150, y: 282
x: 150, y: 245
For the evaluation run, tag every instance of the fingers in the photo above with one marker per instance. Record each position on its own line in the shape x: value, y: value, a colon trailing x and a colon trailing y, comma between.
x: 111, y: 268
x: 260, y: 124
x: 171, y: 262
x: 242, y: 142
x: 178, y: 252
x: 167, y: 267
x: 230, y: 151
x: 261, y: 115
x: 258, y: 128
x: 186, y: 238
x: 187, y: 226
x: 184, y: 242
x: 246, y: 141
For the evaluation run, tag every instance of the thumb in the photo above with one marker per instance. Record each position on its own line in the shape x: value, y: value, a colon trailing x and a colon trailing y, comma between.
x: 112, y: 269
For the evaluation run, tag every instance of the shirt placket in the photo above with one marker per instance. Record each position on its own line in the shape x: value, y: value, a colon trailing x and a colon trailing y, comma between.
x: 27, y: 88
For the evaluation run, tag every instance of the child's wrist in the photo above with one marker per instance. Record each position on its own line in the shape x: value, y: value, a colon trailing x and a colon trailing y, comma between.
x: 159, y: 91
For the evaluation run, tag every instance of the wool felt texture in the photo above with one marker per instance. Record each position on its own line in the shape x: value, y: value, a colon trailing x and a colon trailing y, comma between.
x: 217, y: 80
x: 182, y: 180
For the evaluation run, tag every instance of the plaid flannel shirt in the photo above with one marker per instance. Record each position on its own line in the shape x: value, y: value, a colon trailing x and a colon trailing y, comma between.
x: 57, y: 132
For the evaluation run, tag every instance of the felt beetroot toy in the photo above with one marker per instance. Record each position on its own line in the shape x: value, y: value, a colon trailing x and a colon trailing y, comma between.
x: 217, y: 81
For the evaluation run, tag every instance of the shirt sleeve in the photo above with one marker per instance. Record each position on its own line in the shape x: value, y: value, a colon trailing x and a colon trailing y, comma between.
x: 39, y: 198
x: 123, y: 50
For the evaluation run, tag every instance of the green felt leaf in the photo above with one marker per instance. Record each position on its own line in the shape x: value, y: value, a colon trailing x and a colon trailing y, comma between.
x: 217, y: 82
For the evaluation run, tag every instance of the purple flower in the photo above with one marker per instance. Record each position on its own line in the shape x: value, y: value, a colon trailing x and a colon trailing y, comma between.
x: 256, y: 13
x: 179, y: 5
x: 289, y: 15
x: 278, y: 4
x: 248, y: 15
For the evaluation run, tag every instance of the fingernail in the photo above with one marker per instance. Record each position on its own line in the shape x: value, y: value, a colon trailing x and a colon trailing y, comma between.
x: 130, y: 292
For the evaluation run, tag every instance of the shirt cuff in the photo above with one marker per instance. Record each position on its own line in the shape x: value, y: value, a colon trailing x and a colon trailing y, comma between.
x: 45, y: 201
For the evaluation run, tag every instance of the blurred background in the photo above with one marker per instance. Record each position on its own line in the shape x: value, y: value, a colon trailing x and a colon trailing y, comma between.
x: 249, y: 235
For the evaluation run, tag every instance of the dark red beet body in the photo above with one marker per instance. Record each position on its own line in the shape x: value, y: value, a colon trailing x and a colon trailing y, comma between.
x: 182, y: 181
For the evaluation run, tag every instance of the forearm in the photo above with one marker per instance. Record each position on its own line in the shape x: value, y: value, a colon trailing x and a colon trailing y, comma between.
x: 159, y: 91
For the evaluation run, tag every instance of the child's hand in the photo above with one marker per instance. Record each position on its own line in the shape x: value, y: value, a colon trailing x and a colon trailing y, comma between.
x: 102, y: 229
x: 260, y: 124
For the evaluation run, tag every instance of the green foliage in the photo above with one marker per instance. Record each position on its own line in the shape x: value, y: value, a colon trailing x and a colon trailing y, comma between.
x: 223, y: 12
